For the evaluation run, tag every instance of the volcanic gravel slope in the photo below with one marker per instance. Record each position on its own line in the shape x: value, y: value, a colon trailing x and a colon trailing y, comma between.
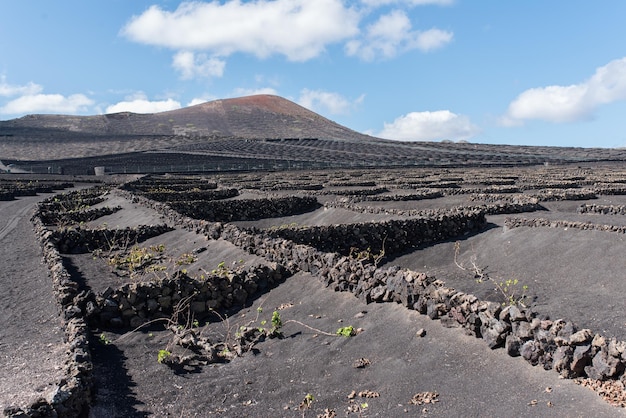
x: 31, y: 336
x: 571, y: 264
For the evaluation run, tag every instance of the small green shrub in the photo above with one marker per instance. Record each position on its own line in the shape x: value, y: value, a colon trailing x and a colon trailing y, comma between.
x: 104, y: 339
x: 163, y: 355
x: 346, y: 331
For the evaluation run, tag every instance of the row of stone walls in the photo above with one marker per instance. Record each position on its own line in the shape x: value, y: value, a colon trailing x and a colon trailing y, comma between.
x: 73, y: 394
x: 153, y: 184
x: 9, y: 190
x: 552, y: 344
x: 134, y: 304
x: 489, y: 189
x: 547, y: 223
x: 80, y: 240
x: 529, y: 205
x: 352, y: 192
x: 548, y: 195
x: 245, y: 209
x: 420, y: 195
x: 392, y: 237
x: 50, y: 218
x: 603, y: 209
x: 191, y: 195
x: 75, y: 200
x: 609, y: 191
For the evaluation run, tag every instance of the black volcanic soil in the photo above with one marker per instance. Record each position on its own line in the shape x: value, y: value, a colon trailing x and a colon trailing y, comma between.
x: 571, y: 273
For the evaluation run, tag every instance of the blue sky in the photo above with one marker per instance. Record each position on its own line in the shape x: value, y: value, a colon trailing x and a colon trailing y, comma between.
x: 490, y: 71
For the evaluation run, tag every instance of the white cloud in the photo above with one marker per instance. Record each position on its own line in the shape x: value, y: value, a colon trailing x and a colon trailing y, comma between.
x: 138, y: 103
x: 47, y: 103
x: 31, y: 100
x: 429, y: 126
x: 327, y: 102
x: 297, y: 29
x: 200, y: 100
x: 376, y: 3
x: 240, y: 92
x: 8, y: 90
x: 393, y: 34
x: 192, y: 65
x: 570, y: 103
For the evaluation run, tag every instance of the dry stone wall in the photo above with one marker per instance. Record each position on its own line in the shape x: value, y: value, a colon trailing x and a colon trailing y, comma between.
x: 603, y: 209
x: 547, y: 223
x: 524, y: 205
x: 80, y: 240
x: 72, y: 395
x: 191, y: 195
x: 552, y: 344
x: 50, y: 217
x: 245, y: 209
x: 392, y: 236
x: 134, y: 304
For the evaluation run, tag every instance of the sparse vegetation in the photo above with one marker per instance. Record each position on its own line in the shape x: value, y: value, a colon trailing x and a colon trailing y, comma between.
x: 163, y: 355
x: 346, y: 331
x: 509, y: 289
x: 367, y: 256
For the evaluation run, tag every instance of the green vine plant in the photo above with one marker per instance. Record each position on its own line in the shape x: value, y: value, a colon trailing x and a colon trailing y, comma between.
x: 509, y: 289
x: 221, y: 270
x: 306, y: 403
x: 138, y: 259
x: 367, y: 256
x: 188, y: 334
x: 196, y: 349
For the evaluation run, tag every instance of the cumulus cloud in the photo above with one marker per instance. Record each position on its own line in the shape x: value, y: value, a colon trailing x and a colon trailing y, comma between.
x: 570, y: 103
x: 327, y: 102
x: 297, y: 29
x: 200, y: 100
x: 429, y: 126
x: 140, y: 104
x: 47, y: 103
x: 239, y: 92
x: 192, y: 65
x: 9, y: 90
x: 393, y: 34
x: 30, y: 99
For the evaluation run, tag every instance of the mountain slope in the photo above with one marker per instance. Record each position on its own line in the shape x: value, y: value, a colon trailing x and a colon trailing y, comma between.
x: 260, y: 132
x: 251, y: 117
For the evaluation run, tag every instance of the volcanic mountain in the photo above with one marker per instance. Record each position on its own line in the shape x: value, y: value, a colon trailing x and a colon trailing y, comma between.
x: 247, y: 133
x: 251, y: 117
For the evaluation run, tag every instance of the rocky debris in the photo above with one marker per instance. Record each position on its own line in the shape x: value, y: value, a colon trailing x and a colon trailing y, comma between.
x: 424, y: 398
x: 612, y: 391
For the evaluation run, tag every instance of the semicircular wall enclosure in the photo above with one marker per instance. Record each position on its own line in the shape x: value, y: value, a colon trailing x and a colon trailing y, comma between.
x: 497, y: 253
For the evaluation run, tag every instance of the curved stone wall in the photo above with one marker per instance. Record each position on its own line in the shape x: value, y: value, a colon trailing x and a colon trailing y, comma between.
x: 540, y: 222
x: 245, y: 209
x: 552, y: 344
